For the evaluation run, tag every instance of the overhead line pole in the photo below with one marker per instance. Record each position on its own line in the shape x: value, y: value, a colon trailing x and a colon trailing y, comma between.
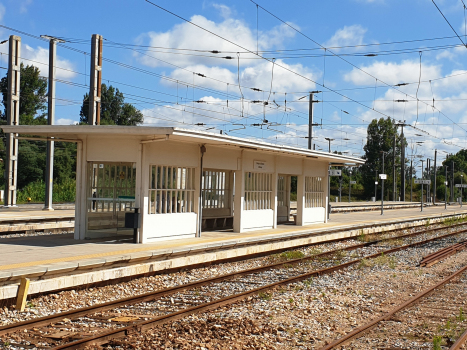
x: 94, y: 117
x: 310, y: 118
x: 14, y: 76
x: 49, y: 171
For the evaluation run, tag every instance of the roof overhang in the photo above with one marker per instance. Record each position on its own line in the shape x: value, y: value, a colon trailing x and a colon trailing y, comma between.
x: 151, y: 133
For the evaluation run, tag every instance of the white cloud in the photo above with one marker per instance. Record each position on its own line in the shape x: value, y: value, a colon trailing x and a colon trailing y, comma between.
x: 39, y: 57
x: 393, y: 73
x: 224, y: 10
x: 65, y: 121
x: 187, y: 36
x: 347, y: 36
x: 257, y: 76
x: 2, y: 12
x: 23, y: 8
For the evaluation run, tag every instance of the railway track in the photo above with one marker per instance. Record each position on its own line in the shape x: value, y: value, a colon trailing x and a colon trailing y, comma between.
x: 77, y: 328
x: 407, y: 322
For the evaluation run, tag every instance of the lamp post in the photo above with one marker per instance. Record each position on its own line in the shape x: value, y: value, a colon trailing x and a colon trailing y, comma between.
x: 446, y: 188
x: 376, y: 182
x: 329, y: 178
x: 350, y: 182
x: 421, y: 197
x: 382, y: 187
x: 462, y: 176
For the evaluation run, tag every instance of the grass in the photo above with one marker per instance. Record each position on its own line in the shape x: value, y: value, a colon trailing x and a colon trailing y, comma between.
x: 265, y: 296
x: 290, y: 255
x: 62, y: 192
x: 437, y: 342
x: 381, y: 260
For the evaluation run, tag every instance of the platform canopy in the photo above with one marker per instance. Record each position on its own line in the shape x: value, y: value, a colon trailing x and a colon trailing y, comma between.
x: 147, y: 134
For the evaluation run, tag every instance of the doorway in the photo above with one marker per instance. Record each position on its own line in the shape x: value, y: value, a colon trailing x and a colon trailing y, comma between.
x: 286, y: 199
x: 110, y: 194
x: 217, y: 199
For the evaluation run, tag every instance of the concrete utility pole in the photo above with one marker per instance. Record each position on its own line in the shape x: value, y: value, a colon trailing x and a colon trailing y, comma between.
x: 49, y: 171
x: 376, y: 182
x: 434, y: 182
x: 11, y: 166
x: 96, y: 80
x: 411, y: 178
x: 350, y: 183
x: 402, y: 162
x: 310, y: 118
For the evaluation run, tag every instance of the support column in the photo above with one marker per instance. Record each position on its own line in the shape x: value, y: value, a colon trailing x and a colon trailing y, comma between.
x: 11, y: 166
x: 300, y: 199
x: 239, y: 195
x: 275, y: 177
x: 94, y: 117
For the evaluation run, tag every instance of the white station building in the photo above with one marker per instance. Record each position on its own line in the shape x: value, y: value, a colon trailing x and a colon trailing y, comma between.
x: 184, y: 181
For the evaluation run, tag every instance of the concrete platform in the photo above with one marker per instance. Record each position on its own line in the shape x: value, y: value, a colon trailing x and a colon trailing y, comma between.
x: 57, y: 261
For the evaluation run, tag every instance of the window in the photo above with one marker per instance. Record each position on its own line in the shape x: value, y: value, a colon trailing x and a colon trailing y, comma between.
x: 171, y: 189
x: 216, y: 192
x: 314, y: 194
x: 258, y: 191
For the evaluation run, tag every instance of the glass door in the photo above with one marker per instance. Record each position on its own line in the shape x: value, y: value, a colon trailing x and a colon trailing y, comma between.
x: 110, y: 193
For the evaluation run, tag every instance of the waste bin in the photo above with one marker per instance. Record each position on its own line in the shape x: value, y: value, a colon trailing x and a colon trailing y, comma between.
x: 373, y: 199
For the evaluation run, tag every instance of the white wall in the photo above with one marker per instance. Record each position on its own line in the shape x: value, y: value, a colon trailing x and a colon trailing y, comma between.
x: 257, y: 219
x: 168, y: 226
x: 313, y: 216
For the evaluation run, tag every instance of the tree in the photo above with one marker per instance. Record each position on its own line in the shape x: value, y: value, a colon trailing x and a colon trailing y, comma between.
x: 33, y: 92
x: 114, y: 110
x: 32, y: 111
x: 380, y: 137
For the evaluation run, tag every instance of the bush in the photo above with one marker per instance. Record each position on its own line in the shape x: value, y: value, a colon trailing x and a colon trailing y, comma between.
x: 62, y: 192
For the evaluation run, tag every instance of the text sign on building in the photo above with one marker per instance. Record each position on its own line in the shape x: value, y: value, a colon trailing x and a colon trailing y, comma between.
x: 335, y: 172
x: 353, y: 182
x: 383, y: 176
x: 422, y: 182
x: 461, y: 186
x: 259, y: 164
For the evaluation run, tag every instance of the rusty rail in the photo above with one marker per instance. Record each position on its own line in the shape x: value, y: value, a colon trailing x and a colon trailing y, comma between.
x: 104, y: 337
x: 442, y: 254
x: 360, y: 330
x: 460, y: 342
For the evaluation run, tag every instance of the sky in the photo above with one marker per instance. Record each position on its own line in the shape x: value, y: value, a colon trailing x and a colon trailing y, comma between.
x: 247, y: 70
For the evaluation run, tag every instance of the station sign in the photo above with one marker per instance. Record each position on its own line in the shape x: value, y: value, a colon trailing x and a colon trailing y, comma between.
x: 335, y: 172
x: 353, y: 182
x: 376, y: 182
x: 422, y: 182
x: 383, y: 176
x: 461, y: 186
x: 446, y: 183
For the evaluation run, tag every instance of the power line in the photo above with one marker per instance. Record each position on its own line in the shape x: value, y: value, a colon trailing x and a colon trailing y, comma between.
x: 462, y: 41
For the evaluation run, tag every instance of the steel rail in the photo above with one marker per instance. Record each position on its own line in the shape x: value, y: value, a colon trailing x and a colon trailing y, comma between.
x: 442, y: 254
x: 360, y: 330
x: 459, y: 342
x: 37, y: 322
x: 138, y: 327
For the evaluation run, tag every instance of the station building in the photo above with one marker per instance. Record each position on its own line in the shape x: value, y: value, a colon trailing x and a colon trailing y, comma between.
x: 183, y: 182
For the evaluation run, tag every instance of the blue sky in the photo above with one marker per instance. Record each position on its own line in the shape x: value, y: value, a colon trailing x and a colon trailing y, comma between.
x: 139, y: 36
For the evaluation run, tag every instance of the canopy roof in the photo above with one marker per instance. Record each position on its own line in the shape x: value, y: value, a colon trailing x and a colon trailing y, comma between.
x: 151, y: 133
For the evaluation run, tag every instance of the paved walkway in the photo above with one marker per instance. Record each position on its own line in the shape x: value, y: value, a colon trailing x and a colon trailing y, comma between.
x: 27, y: 252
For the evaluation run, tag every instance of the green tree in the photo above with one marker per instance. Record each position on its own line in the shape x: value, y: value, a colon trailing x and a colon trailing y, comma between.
x: 32, y: 154
x: 114, y: 110
x: 380, y: 138
x: 33, y: 92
